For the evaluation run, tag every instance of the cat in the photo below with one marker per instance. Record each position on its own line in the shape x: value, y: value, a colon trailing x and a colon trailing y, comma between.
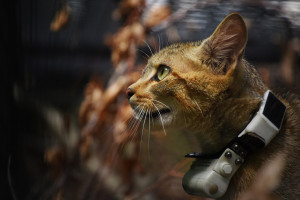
x: 206, y: 88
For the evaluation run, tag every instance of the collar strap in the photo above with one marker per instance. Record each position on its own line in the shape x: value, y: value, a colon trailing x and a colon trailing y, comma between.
x: 259, y: 132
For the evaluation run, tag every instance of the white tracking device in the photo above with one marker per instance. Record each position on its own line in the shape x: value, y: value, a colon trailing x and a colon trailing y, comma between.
x: 267, y: 121
x: 210, y: 177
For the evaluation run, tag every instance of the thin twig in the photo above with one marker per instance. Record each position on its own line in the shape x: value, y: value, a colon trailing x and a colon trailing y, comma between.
x: 13, y: 193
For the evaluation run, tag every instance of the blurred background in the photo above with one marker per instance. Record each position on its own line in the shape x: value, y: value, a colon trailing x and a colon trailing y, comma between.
x: 66, y: 131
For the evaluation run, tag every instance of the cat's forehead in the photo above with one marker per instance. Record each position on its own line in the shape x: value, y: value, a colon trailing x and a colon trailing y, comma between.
x: 179, y: 47
x: 173, y: 50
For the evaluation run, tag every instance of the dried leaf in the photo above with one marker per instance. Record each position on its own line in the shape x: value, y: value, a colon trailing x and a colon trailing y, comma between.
x: 61, y: 18
x: 124, y: 43
x: 156, y: 15
x: 56, y: 158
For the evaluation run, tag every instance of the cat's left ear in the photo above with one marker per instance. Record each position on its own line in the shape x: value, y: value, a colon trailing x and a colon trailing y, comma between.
x: 225, y: 47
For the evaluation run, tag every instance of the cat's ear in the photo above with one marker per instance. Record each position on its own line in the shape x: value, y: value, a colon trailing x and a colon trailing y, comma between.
x: 225, y: 47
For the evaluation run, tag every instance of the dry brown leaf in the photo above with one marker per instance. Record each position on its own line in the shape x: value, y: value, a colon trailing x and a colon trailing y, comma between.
x: 125, y: 41
x: 56, y: 158
x: 157, y: 15
x: 130, y: 9
x: 61, y: 18
x: 93, y: 95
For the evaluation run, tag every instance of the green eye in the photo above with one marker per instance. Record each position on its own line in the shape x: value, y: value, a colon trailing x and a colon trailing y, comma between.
x: 162, y: 72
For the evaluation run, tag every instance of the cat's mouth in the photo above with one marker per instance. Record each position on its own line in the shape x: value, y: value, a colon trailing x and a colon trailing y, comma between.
x: 160, y: 113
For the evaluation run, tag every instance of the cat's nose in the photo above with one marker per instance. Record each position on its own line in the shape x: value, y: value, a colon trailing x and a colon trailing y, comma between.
x: 129, y: 93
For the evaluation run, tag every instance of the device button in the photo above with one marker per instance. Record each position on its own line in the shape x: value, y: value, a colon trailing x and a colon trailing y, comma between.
x: 226, y: 169
x: 228, y: 154
x: 213, y: 189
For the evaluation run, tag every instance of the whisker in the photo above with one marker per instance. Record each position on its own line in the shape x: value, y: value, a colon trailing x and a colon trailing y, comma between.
x: 158, y: 42
x: 198, y: 107
x: 146, y: 59
x: 143, y: 129
x: 137, y: 111
x: 144, y: 53
x: 140, y: 118
x: 162, y: 123
x: 152, y: 119
x: 132, y: 125
x: 126, y: 130
x: 168, y: 40
x: 149, y: 47
x: 160, y: 102
x: 149, y: 137
x: 133, y: 119
x: 128, y: 116
x: 134, y: 131
x: 136, y: 123
x: 120, y: 134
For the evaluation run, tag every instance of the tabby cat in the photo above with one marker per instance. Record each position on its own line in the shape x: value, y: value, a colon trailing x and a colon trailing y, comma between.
x: 207, y: 89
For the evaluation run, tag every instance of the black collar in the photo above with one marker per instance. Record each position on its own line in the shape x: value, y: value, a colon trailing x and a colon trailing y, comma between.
x: 243, y: 145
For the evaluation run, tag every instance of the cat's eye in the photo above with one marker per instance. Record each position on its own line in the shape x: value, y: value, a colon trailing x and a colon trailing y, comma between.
x: 162, y: 72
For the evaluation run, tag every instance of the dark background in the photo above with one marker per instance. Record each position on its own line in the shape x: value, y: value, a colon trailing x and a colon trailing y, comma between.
x: 40, y: 67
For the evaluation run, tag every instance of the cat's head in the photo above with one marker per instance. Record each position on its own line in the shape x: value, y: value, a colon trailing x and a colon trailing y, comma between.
x: 182, y: 83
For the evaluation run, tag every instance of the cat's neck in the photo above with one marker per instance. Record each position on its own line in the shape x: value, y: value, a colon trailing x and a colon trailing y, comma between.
x: 229, y: 117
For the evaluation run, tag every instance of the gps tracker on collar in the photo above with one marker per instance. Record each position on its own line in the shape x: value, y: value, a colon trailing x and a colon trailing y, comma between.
x: 210, y: 177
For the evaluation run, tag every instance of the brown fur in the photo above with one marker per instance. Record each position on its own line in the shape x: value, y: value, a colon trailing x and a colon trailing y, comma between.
x: 217, y: 92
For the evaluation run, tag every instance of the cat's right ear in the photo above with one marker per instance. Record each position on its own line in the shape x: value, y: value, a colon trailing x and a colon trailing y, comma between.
x: 225, y: 47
